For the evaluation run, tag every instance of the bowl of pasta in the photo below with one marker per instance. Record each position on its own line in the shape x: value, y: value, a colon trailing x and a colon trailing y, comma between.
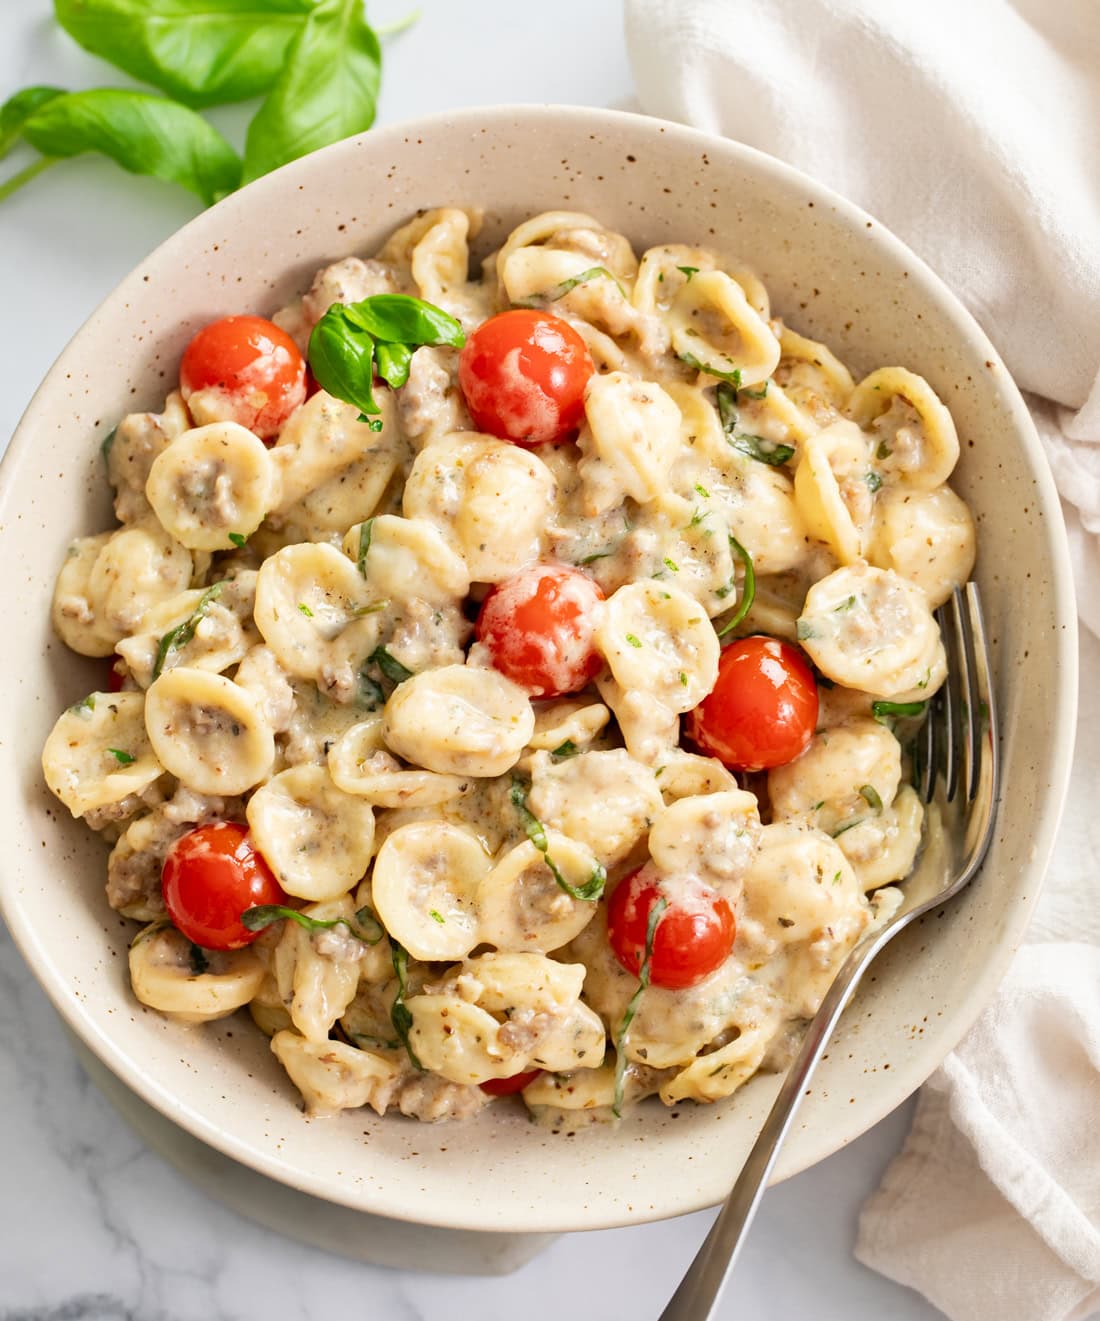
x: 478, y: 584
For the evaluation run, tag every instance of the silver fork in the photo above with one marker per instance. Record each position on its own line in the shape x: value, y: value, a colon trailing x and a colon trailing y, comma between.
x: 956, y: 750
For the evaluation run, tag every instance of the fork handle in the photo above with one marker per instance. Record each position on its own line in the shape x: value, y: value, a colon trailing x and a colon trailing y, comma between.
x: 701, y: 1288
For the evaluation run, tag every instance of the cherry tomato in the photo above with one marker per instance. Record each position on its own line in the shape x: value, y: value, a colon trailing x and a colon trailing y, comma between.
x: 211, y: 875
x: 538, y: 628
x: 523, y: 374
x: 115, y: 676
x: 762, y: 711
x: 509, y: 1086
x: 694, y: 934
x: 248, y: 370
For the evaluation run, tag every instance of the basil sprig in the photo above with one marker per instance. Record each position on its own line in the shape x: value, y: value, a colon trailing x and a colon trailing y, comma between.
x: 748, y: 591
x: 178, y: 638
x: 353, y: 341
x: 591, y: 890
x: 262, y: 916
x: 644, y: 973
x: 400, y: 1014
x: 557, y: 291
x: 756, y: 447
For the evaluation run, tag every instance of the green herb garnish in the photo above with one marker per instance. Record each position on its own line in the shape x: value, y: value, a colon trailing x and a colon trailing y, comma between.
x: 199, y: 962
x: 761, y: 393
x: 847, y: 604
x: 109, y: 438
x: 400, y: 1016
x: 702, y: 491
x: 804, y: 630
x: 366, y: 530
x: 181, y: 635
x: 874, y: 482
x: 732, y: 377
x: 884, y: 451
x: 237, y: 539
x: 748, y: 592
x: 566, y: 749
x: 305, y: 609
x: 84, y: 707
x: 671, y: 565
x: 756, y: 447
x: 354, y: 340
x: 847, y: 825
x: 633, y: 640
x: 688, y: 271
x: 655, y: 914
x: 871, y: 797
x: 882, y: 711
x: 436, y: 916
x: 262, y: 916
x: 390, y: 666
x: 123, y: 758
x: 591, y: 890
x: 557, y: 291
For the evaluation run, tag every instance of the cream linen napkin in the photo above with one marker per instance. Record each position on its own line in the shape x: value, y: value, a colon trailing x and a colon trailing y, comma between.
x: 972, y: 129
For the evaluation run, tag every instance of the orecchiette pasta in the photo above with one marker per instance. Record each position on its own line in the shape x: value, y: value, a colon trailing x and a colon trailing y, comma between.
x: 454, y: 690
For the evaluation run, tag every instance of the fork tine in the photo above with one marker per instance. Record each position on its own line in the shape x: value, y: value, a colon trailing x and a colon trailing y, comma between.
x: 924, y: 755
x: 985, y: 726
x: 946, y: 706
x: 971, y: 725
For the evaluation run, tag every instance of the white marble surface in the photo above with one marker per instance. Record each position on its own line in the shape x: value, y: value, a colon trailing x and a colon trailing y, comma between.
x: 92, y: 1224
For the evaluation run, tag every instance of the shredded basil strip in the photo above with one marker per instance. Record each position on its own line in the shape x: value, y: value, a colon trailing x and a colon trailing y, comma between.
x: 883, y: 710
x: 400, y: 1016
x: 591, y: 890
x: 237, y: 539
x: 762, y: 393
x: 566, y: 749
x: 181, y: 635
x: 687, y: 272
x: 729, y: 378
x: 655, y: 914
x: 366, y: 530
x: 557, y: 291
x: 199, y: 962
x: 123, y: 758
x: 754, y: 446
x: 848, y: 825
x: 108, y: 441
x: 263, y: 915
x: 599, y: 555
x: 390, y: 666
x: 870, y: 796
x: 748, y: 592
x: 370, y: 693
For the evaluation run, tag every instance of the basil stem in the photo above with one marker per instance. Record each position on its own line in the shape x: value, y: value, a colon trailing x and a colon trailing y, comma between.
x: 178, y: 638
x: 748, y: 592
x: 655, y: 915
x: 262, y: 916
x: 591, y: 890
x: 400, y: 1016
x: 557, y: 291
x: 871, y: 797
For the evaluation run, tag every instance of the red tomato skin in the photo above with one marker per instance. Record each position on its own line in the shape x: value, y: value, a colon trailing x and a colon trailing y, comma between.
x: 694, y: 935
x: 255, y: 368
x: 114, y: 675
x: 523, y: 374
x: 211, y: 875
x: 762, y: 710
x: 509, y: 1086
x: 538, y: 627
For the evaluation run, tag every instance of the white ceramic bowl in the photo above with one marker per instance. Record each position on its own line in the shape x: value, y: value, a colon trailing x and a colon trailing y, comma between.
x: 835, y: 274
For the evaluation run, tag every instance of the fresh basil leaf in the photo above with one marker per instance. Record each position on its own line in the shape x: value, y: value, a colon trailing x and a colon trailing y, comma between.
x: 748, y: 592
x: 400, y: 1016
x: 178, y: 638
x: 727, y: 407
x: 402, y: 319
x: 341, y: 357
x: 593, y: 888
x: 200, y: 52
x: 123, y: 758
x: 566, y: 749
x: 644, y: 973
x: 687, y: 272
x: 144, y: 134
x: 763, y: 451
x: 365, y: 531
x: 732, y: 377
x: 238, y: 540
x: 327, y: 90
x: 262, y: 916
x: 392, y: 363
x: 17, y: 109
x: 390, y: 666
x: 557, y: 291
x: 884, y: 710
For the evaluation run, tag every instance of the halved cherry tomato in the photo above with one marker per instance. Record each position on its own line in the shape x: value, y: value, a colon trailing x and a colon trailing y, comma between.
x: 247, y: 370
x: 115, y: 677
x: 509, y: 1086
x: 762, y: 711
x: 523, y: 374
x: 694, y: 935
x: 538, y: 627
x: 211, y: 875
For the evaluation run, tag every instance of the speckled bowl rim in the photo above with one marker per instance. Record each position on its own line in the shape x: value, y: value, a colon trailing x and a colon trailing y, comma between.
x: 890, y: 1090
